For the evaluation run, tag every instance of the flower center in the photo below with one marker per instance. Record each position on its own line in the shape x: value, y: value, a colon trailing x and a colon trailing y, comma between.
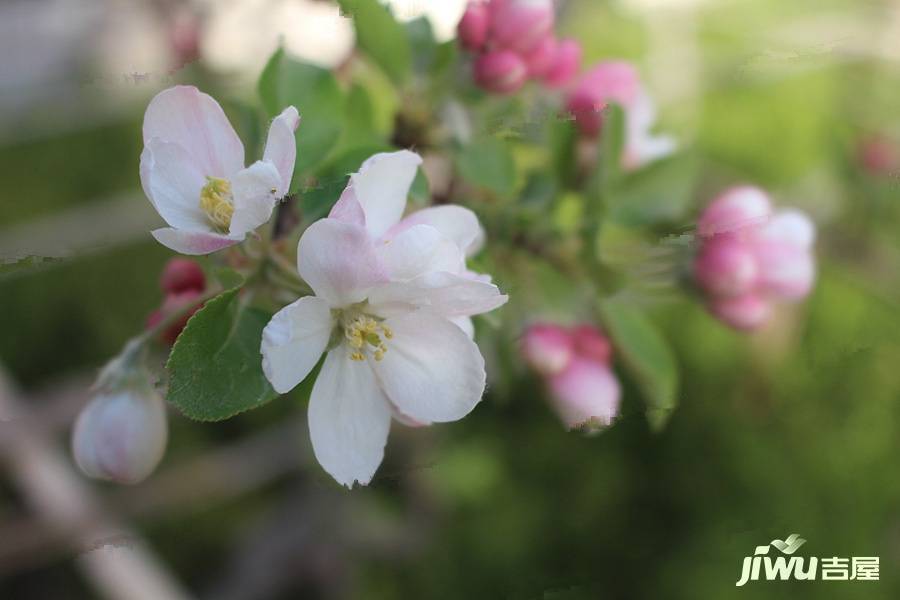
x: 364, y: 334
x: 217, y: 202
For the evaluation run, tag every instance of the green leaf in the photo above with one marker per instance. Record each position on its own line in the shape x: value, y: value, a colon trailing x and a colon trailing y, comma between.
x: 646, y: 356
x: 488, y: 163
x: 563, y: 137
x: 422, y: 44
x: 612, y: 145
x: 659, y: 193
x: 316, y: 95
x: 380, y: 36
x: 215, y: 368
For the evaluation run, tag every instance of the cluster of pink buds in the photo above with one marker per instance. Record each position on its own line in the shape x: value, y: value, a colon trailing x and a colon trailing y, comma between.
x: 750, y: 257
x: 514, y: 41
x: 183, y: 283
x: 575, y: 363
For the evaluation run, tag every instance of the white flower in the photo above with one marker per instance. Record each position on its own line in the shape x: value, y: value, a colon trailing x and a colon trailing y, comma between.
x: 391, y: 309
x: 192, y: 170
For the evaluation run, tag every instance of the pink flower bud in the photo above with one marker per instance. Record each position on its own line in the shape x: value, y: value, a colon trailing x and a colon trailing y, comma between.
x: 613, y: 81
x: 520, y: 25
x: 746, y: 312
x: 541, y: 58
x: 547, y: 348
x: 172, y: 304
x: 121, y: 436
x: 500, y: 72
x: 726, y: 266
x: 785, y: 270
x: 473, y: 28
x: 591, y: 344
x: 180, y: 275
x: 565, y: 64
x: 586, y: 393
x: 737, y: 209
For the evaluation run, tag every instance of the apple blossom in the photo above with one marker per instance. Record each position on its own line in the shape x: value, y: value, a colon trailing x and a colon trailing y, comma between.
x: 121, y: 435
x: 750, y: 257
x: 391, y: 311
x: 192, y: 170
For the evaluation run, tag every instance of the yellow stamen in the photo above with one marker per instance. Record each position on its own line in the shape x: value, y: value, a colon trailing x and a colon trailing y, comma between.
x: 363, y: 334
x: 216, y: 202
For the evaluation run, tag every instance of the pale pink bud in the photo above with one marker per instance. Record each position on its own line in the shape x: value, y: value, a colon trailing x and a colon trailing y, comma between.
x: 181, y: 275
x: 500, y: 71
x: 121, y: 436
x: 746, y: 312
x: 613, y: 81
x: 565, y: 64
x: 726, y: 266
x: 547, y: 348
x: 591, y: 344
x: 473, y: 27
x: 785, y: 270
x: 541, y: 58
x: 736, y: 209
x: 586, y: 393
x: 520, y: 25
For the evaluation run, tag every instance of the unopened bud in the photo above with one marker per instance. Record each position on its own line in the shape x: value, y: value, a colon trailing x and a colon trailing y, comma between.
x: 520, y: 25
x: 737, y: 209
x: 121, y: 435
x: 187, y: 302
x: 547, y: 348
x: 541, y: 58
x: 746, y: 312
x: 726, y: 266
x: 591, y: 344
x: 473, y: 27
x: 180, y: 275
x: 586, y: 394
x: 564, y: 65
x: 500, y: 72
x: 607, y: 82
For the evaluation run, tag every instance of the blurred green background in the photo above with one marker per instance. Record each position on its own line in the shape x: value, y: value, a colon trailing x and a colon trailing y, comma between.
x: 796, y: 429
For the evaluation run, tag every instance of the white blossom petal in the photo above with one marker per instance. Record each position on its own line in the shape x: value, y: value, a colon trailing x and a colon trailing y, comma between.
x: 186, y: 116
x: 281, y: 147
x: 466, y: 324
x: 432, y: 372
x: 456, y: 222
x: 255, y: 192
x: 382, y: 185
x: 418, y: 250
x: 192, y: 242
x: 348, y: 209
x: 293, y: 341
x: 338, y: 261
x: 446, y: 294
x: 349, y: 419
x: 173, y: 183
